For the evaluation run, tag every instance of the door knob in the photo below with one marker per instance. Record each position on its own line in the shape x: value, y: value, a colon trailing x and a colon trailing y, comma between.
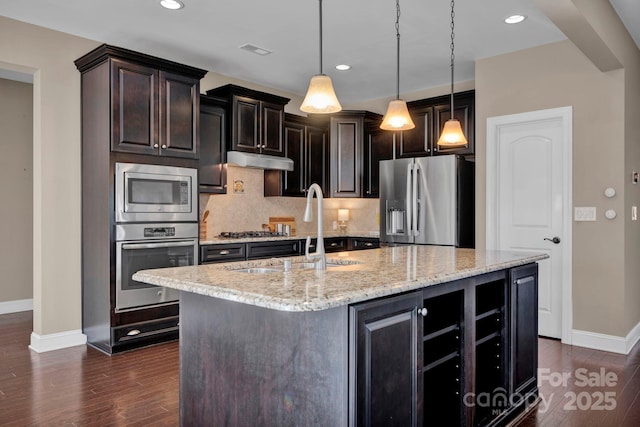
x: 555, y: 240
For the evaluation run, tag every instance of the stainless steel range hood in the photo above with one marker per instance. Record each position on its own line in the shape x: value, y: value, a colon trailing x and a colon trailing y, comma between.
x: 259, y: 161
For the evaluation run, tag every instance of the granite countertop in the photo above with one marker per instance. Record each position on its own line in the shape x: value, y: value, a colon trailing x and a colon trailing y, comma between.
x: 299, y: 236
x: 361, y: 276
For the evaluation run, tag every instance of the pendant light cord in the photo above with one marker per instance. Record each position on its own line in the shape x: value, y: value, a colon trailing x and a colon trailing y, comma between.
x: 397, y: 49
x: 452, y: 54
x: 320, y: 2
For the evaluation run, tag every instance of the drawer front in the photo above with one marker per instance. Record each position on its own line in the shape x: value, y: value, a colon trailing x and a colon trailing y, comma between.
x: 144, y: 331
x: 331, y: 244
x: 222, y: 253
x: 257, y: 250
x: 358, y: 243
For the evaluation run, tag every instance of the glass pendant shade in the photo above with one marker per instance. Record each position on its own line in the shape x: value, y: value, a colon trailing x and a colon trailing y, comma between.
x: 320, y: 98
x: 452, y: 135
x: 397, y: 117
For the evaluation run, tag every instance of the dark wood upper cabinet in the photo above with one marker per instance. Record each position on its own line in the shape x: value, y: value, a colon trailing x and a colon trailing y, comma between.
x: 346, y: 155
x: 463, y: 110
x: 272, y: 116
x: 179, y: 118
x: 154, y: 102
x: 378, y: 145
x: 306, y: 143
x: 255, y: 119
x: 429, y: 116
x: 212, y: 169
x: 347, y: 164
x: 294, y: 182
x: 317, y: 157
x: 418, y: 141
x: 134, y: 97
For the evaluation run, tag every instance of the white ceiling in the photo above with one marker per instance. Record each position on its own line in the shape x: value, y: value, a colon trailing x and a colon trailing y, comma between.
x: 207, y: 34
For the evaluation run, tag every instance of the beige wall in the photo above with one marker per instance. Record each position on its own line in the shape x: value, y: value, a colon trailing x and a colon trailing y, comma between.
x: 16, y: 206
x: 559, y: 75
x: 606, y: 149
x: 49, y: 56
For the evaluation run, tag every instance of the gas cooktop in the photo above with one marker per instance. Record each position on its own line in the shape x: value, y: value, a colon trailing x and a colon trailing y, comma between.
x: 245, y: 234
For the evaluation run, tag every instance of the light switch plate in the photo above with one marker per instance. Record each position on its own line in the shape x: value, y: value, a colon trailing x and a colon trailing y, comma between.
x: 584, y: 213
x: 634, y: 213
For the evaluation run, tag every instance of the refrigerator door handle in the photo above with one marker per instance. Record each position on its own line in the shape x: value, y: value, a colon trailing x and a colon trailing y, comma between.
x: 409, y: 196
x: 415, y: 227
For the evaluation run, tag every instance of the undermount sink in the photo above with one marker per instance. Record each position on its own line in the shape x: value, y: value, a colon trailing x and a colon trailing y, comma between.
x: 257, y: 270
x: 294, y: 266
x: 311, y: 265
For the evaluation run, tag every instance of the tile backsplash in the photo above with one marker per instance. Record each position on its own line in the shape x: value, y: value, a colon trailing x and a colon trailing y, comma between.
x: 249, y: 209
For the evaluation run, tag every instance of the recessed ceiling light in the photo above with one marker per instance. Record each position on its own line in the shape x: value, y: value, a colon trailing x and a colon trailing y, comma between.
x: 343, y: 67
x: 514, y: 19
x: 171, y: 4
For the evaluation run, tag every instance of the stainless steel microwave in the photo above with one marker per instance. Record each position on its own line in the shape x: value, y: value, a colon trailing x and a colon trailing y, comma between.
x: 154, y: 193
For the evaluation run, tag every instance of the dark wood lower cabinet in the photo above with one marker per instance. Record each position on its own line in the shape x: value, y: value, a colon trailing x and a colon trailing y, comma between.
x: 524, y: 332
x: 384, y: 340
x: 461, y: 353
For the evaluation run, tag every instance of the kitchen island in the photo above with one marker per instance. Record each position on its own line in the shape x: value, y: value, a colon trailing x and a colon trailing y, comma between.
x: 384, y: 336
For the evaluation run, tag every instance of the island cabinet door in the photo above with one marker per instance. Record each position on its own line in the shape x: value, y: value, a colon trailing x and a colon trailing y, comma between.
x: 524, y: 332
x: 384, y: 359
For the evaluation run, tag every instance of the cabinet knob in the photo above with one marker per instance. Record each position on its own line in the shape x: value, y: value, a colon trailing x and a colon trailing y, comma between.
x: 333, y: 244
x: 423, y: 311
x: 155, y: 145
x: 224, y: 252
x: 164, y: 145
x: 368, y: 244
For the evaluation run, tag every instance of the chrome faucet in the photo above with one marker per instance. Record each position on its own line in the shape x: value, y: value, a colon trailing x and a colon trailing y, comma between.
x: 318, y: 256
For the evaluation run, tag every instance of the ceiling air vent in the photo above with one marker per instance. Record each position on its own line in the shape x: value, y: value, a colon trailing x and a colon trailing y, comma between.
x: 255, y: 49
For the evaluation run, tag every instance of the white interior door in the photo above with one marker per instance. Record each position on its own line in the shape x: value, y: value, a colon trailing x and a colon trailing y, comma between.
x: 528, y: 201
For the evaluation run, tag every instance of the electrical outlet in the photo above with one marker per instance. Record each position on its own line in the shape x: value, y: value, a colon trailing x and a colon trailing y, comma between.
x: 584, y: 213
x: 634, y: 213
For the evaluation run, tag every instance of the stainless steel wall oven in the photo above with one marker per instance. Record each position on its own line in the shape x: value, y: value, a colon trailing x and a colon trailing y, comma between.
x: 145, y: 246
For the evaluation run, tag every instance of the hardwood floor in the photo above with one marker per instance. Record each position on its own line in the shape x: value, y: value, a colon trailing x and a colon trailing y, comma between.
x: 599, y: 388
x: 81, y: 386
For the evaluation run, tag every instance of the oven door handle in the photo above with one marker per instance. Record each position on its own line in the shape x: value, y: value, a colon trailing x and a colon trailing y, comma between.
x: 157, y: 245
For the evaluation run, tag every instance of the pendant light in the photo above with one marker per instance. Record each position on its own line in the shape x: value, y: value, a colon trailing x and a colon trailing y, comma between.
x: 452, y: 135
x: 320, y: 97
x: 397, y: 116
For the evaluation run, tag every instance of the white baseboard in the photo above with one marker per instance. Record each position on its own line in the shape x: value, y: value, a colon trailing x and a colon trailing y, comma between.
x: 49, y: 342
x: 612, y: 343
x: 16, y: 306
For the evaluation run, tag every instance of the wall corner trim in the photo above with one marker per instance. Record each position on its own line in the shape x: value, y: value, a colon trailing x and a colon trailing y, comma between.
x: 50, y: 342
x: 612, y: 343
x: 16, y: 306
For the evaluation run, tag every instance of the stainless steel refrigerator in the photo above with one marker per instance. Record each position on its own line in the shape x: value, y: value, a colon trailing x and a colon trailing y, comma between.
x: 428, y: 200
